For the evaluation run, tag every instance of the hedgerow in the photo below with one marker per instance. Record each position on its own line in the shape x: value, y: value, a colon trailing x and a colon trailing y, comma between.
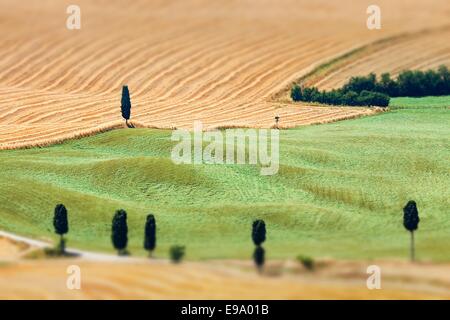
x: 371, y: 91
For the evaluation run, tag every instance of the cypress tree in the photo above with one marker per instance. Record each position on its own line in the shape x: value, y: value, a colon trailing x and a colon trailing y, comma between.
x: 126, y: 104
x: 119, y: 234
x: 150, y: 234
x: 61, y: 225
x: 411, y: 222
x: 258, y: 232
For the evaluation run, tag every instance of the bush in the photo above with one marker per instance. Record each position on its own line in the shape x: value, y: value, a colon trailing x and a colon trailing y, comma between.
x: 358, y: 84
x: 369, y: 98
x: 349, y: 98
x: 176, y: 253
x: 309, y: 94
x: 306, y: 262
x: 387, y: 85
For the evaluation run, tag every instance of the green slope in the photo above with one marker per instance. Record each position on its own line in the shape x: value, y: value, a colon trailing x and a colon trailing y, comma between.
x: 339, y: 192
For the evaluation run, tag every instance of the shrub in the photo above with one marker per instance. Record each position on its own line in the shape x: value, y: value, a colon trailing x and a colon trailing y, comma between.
x: 176, y: 253
x: 358, y: 84
x: 369, y: 98
x: 387, y: 85
x: 306, y: 262
x: 309, y: 93
x: 349, y: 98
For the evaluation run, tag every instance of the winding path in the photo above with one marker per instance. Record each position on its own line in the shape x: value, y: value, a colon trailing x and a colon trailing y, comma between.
x: 81, y: 254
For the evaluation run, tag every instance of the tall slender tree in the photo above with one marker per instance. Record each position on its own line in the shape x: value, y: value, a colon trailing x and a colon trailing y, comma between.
x: 61, y: 225
x: 126, y: 104
x: 150, y: 234
x: 258, y: 232
x: 119, y: 234
x: 411, y: 222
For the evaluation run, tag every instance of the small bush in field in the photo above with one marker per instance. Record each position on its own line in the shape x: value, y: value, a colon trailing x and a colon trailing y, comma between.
x: 176, y: 253
x: 306, y: 261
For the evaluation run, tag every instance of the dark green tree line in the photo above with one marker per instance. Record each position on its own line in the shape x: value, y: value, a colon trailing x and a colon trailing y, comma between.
x: 372, y: 91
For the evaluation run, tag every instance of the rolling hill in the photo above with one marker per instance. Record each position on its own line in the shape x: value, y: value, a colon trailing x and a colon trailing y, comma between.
x: 339, y: 192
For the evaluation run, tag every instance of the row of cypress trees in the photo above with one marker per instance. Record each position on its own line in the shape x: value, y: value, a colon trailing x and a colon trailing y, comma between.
x: 119, y: 234
x: 410, y: 222
x: 119, y: 230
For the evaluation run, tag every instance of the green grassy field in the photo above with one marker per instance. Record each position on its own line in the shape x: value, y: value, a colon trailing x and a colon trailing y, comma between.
x: 339, y: 192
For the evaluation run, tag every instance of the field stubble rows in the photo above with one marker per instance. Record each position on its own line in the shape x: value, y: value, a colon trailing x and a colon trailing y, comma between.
x: 219, y: 62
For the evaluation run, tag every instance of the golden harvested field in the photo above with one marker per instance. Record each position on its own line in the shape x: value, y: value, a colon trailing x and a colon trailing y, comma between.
x: 108, y: 277
x: 422, y: 50
x: 215, y: 61
x: 213, y: 280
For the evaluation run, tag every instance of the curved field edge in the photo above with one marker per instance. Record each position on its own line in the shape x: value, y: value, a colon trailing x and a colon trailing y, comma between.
x: 320, y: 115
x: 84, y: 133
x: 332, y: 65
x: 219, y: 67
x: 339, y: 192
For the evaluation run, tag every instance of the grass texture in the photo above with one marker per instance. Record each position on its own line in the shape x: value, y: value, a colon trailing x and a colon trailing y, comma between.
x: 339, y: 191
